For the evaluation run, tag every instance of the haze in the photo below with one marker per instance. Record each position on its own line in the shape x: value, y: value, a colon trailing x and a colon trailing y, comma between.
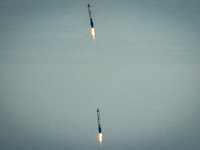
x: 142, y: 71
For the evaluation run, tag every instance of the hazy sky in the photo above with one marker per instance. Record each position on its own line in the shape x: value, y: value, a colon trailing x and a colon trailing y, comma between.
x: 142, y: 71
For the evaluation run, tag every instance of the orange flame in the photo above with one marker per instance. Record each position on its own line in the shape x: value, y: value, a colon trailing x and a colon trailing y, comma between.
x: 100, y: 137
x: 93, y: 32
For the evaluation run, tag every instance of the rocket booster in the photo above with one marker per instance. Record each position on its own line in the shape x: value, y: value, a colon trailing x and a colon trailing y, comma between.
x: 99, y: 123
x: 91, y: 22
x: 90, y: 15
x: 99, y: 127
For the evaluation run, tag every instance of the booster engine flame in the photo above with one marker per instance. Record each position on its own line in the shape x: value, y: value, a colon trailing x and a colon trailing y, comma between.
x: 93, y: 33
x: 100, y: 138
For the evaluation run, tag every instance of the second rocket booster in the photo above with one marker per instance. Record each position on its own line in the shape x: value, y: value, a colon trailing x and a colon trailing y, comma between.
x: 90, y: 15
x: 99, y: 123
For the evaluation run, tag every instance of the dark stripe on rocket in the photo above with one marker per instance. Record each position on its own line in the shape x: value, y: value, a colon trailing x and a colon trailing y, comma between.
x: 90, y: 15
x: 98, y: 117
x: 91, y: 23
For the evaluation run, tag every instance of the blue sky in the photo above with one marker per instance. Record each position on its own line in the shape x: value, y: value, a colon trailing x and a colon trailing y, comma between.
x: 142, y: 71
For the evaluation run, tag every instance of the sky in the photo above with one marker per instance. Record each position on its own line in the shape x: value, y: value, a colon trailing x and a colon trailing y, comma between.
x: 142, y: 72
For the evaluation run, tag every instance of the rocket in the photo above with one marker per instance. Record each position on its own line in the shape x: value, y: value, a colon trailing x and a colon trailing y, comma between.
x: 99, y: 127
x: 91, y: 22
x: 99, y: 123
x: 90, y: 15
